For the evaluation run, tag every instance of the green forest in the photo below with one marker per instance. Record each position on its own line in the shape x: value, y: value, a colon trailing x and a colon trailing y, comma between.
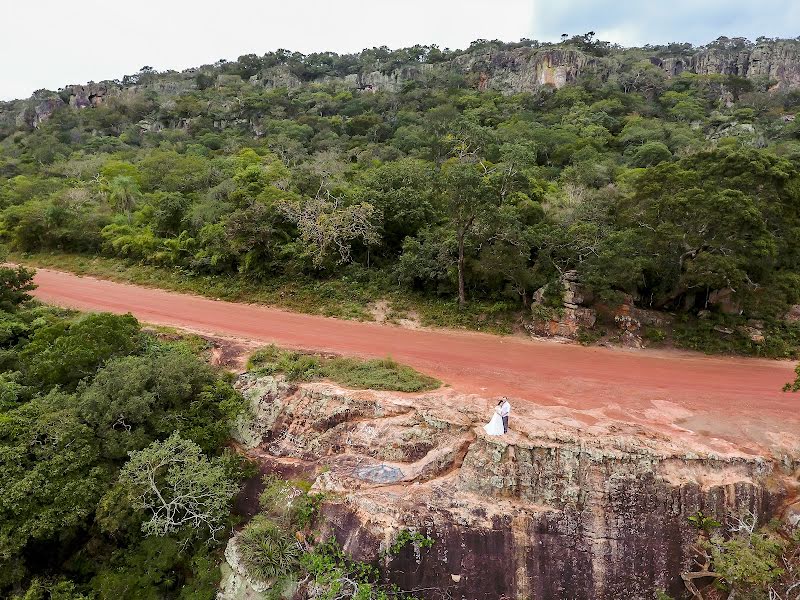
x: 454, y: 201
x: 116, y: 483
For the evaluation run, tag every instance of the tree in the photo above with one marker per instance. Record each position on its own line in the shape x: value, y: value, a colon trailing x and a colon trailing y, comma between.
x: 651, y: 153
x: 402, y: 193
x: 747, y: 562
x: 123, y: 191
x: 468, y: 203
x: 15, y: 283
x: 51, y: 477
x: 64, y: 353
x: 136, y: 399
x: 328, y: 224
x: 178, y: 488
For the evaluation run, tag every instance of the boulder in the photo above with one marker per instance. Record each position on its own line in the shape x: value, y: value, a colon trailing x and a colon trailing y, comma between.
x: 235, y: 583
x: 794, y: 314
x: 723, y: 299
x: 754, y: 334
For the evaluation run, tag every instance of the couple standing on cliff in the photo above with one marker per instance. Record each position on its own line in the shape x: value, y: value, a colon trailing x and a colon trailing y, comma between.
x: 499, y: 423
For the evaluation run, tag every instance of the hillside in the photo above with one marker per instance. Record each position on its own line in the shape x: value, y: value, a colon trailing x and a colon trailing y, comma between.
x: 635, y: 195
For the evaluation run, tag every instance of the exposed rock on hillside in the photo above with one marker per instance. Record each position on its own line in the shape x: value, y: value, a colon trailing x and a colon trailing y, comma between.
x: 570, y: 504
x: 524, y: 69
x: 568, y: 319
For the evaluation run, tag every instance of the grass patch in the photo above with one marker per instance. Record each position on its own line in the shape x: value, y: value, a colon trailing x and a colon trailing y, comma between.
x: 722, y: 334
x: 161, y: 336
x: 345, y: 297
x: 380, y: 374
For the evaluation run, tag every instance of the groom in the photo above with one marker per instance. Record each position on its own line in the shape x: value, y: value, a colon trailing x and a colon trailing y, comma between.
x: 505, y: 410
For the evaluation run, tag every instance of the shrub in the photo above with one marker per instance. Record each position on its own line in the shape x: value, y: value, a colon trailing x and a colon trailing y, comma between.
x: 268, y: 552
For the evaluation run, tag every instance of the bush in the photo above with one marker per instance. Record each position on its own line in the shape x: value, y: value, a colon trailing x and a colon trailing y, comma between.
x: 289, y: 503
x: 268, y: 552
x: 15, y: 283
x: 381, y: 374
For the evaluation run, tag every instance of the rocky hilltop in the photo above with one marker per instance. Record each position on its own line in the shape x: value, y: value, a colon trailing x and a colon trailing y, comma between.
x: 771, y: 63
x: 570, y: 504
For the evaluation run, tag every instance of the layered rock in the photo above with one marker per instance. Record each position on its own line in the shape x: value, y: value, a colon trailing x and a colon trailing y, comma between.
x: 570, y: 317
x: 568, y: 505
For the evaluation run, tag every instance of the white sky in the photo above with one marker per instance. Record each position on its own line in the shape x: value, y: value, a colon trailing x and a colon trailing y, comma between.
x: 52, y: 43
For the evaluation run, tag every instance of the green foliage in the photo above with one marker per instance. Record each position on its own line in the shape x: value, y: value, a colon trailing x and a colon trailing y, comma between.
x: 15, y: 283
x: 178, y: 487
x: 406, y: 537
x: 268, y: 552
x: 793, y: 386
x: 291, y: 504
x: 77, y: 394
x: 335, y: 574
x: 704, y: 522
x: 383, y: 374
x: 749, y: 565
x: 64, y: 353
x: 748, y: 562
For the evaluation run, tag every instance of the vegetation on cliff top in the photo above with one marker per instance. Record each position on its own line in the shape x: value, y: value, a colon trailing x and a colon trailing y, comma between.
x: 381, y: 374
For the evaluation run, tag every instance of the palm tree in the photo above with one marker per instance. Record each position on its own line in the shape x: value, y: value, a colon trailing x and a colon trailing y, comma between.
x: 123, y: 191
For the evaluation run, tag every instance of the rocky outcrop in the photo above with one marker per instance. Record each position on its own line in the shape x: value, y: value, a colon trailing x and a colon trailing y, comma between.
x: 88, y: 96
x: 570, y: 317
x: 777, y: 61
x: 525, y: 69
x: 530, y: 69
x: 568, y: 505
x: 235, y: 583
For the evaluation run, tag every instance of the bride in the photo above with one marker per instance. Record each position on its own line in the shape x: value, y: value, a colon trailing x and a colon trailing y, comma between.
x: 495, y: 426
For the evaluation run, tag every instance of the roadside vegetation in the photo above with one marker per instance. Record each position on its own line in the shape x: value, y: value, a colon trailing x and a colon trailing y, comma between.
x: 349, y: 297
x: 381, y: 374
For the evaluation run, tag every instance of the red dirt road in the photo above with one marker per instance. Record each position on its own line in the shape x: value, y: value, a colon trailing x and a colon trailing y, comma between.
x: 729, y: 398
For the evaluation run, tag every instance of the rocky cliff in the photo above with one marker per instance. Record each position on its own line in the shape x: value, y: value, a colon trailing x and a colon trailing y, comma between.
x: 525, y: 69
x: 570, y: 504
x: 528, y: 69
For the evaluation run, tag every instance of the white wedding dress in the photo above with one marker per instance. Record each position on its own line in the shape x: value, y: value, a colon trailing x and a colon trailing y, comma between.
x: 495, y: 426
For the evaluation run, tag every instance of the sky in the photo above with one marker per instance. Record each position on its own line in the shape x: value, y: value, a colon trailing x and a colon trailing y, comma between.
x: 52, y: 43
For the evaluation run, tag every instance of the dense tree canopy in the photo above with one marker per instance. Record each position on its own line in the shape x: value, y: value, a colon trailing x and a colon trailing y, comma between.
x: 663, y: 189
x: 85, y: 401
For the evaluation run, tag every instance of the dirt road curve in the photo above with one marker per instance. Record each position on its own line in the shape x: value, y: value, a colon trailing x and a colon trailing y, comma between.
x: 730, y: 399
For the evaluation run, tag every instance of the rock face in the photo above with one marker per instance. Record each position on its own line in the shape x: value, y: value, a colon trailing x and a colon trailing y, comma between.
x: 566, y: 506
x: 778, y: 61
x: 235, y: 583
x: 530, y: 69
x: 88, y: 96
x: 568, y: 319
x: 525, y: 69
